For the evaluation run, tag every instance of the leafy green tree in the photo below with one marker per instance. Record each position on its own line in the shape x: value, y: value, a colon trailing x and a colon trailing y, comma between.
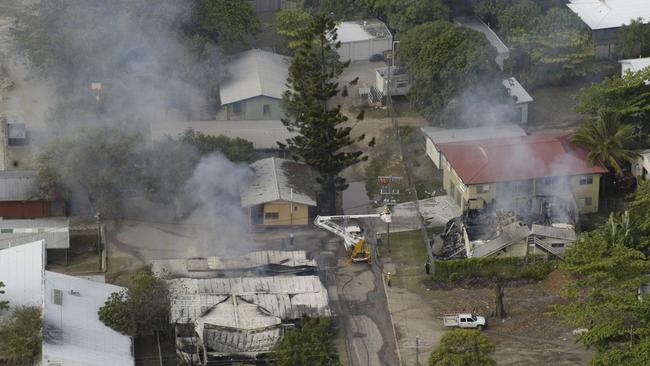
x: 463, y: 347
x: 638, y: 207
x: 603, y: 298
x: 234, y: 149
x: 102, y: 163
x: 402, y: 15
x: 607, y: 140
x: 20, y: 336
x: 142, y: 309
x: 634, y: 40
x: 627, y: 96
x: 555, y: 50
x: 292, y: 24
x: 226, y: 22
x: 444, y: 60
x: 313, y: 82
x: 518, y: 18
x: 4, y: 305
x: 310, y: 344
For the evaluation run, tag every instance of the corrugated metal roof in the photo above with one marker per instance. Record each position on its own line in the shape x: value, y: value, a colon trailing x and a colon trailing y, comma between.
x: 442, y: 135
x: 285, y: 297
x: 264, y: 135
x: 477, y: 24
x: 277, y: 179
x: 54, y: 231
x: 516, y: 91
x: 253, y: 73
x: 636, y: 64
x: 22, y: 271
x: 517, y: 158
x: 18, y: 185
x: 603, y: 14
x: 510, y: 234
x: 553, y: 232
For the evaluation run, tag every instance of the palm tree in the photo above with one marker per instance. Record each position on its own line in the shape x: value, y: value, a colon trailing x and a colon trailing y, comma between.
x: 608, y: 141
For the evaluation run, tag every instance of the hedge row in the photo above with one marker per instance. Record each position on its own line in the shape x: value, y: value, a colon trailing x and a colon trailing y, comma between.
x: 509, y: 268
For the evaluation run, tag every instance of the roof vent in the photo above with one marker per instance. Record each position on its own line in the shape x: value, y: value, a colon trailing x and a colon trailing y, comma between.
x: 74, y: 292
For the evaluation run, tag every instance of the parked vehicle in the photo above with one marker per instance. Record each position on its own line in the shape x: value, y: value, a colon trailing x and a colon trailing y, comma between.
x: 464, y: 321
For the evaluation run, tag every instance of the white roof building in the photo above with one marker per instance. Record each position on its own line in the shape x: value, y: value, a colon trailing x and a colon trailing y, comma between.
x: 603, y: 14
x: 55, y: 231
x: 254, y: 73
x: 72, y: 331
x: 18, y: 185
x: 641, y: 165
x: 264, y: 134
x: 634, y: 64
x: 477, y: 24
x: 277, y: 179
x: 516, y: 91
x: 360, y: 40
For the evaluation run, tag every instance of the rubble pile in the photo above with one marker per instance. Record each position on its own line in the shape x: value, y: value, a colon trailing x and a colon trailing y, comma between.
x: 452, y: 240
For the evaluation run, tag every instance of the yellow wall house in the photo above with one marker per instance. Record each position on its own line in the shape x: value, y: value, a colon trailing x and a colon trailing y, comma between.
x: 509, y: 171
x: 282, y: 193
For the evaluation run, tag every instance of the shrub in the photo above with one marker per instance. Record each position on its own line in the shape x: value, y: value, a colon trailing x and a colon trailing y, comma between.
x: 508, y: 268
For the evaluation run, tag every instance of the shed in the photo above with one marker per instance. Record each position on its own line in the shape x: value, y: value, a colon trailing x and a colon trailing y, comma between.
x: 361, y: 40
x: 19, y: 195
x: 281, y: 193
x: 54, y: 231
x: 436, y: 135
x: 520, y: 98
x: 253, y: 87
x: 641, y: 165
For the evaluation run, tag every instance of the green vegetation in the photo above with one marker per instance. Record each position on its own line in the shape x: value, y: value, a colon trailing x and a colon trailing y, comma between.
x: 607, y: 140
x: 463, y: 347
x: 225, y: 22
x: 406, y: 247
x: 609, y: 265
x: 402, y: 15
x: 234, y: 149
x: 313, y: 81
x: 292, y: 24
x: 634, y: 40
x: 4, y: 305
x: 20, y: 336
x: 140, y: 310
x: 444, y: 60
x: 504, y: 268
x: 309, y: 344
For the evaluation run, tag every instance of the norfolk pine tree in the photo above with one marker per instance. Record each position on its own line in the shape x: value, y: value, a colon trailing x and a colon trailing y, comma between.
x: 322, y: 142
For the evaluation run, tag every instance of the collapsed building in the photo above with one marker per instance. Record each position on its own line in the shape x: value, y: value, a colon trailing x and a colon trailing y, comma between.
x: 518, y: 194
x: 239, y: 308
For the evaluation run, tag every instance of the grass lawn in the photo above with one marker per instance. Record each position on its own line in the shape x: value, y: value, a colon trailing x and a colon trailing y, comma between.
x: 408, y: 256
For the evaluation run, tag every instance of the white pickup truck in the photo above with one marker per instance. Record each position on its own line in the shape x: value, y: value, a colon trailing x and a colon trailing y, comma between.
x: 464, y: 321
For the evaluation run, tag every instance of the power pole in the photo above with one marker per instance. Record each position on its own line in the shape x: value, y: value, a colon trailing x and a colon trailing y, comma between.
x: 387, y: 193
x: 417, y: 351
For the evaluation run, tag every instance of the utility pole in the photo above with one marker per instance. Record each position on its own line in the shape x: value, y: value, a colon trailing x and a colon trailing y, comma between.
x: 387, y: 192
x: 417, y: 351
x: 99, y: 238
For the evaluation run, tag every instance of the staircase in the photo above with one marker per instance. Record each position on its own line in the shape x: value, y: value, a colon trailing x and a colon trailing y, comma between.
x: 533, y: 240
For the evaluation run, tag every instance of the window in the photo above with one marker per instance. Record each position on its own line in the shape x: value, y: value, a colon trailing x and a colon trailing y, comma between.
x: 6, y: 231
x: 557, y: 245
x: 586, y: 179
x: 463, y: 320
x: 266, y: 108
x: 586, y: 201
x: 482, y: 188
x: 550, y: 181
x: 57, y: 297
x: 271, y: 215
x: 237, y: 107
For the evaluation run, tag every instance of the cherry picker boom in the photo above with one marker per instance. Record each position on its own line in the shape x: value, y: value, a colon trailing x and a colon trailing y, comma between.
x: 353, y: 239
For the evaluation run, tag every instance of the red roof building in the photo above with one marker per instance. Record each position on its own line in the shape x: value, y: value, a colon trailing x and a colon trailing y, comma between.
x: 488, y: 169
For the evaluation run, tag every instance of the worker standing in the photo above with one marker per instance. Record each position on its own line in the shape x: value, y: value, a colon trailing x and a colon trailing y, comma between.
x: 291, y: 238
x: 427, y: 267
x: 378, y: 238
x: 388, y: 279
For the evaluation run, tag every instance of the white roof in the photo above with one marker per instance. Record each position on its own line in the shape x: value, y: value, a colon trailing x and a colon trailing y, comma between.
x: 553, y: 232
x: 361, y: 31
x: 636, y: 64
x: 516, y: 91
x: 263, y: 134
x: 22, y: 271
x: 55, y: 231
x: 477, y: 24
x: 72, y: 333
x: 441, y: 135
x: 277, y: 179
x: 18, y: 185
x: 602, y: 14
x: 253, y: 73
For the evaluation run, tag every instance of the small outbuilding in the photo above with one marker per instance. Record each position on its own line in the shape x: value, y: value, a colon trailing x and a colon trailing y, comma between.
x: 634, y: 64
x: 641, y: 165
x: 282, y: 193
x: 361, y: 40
x: 476, y: 24
x: 520, y: 98
x: 53, y: 231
